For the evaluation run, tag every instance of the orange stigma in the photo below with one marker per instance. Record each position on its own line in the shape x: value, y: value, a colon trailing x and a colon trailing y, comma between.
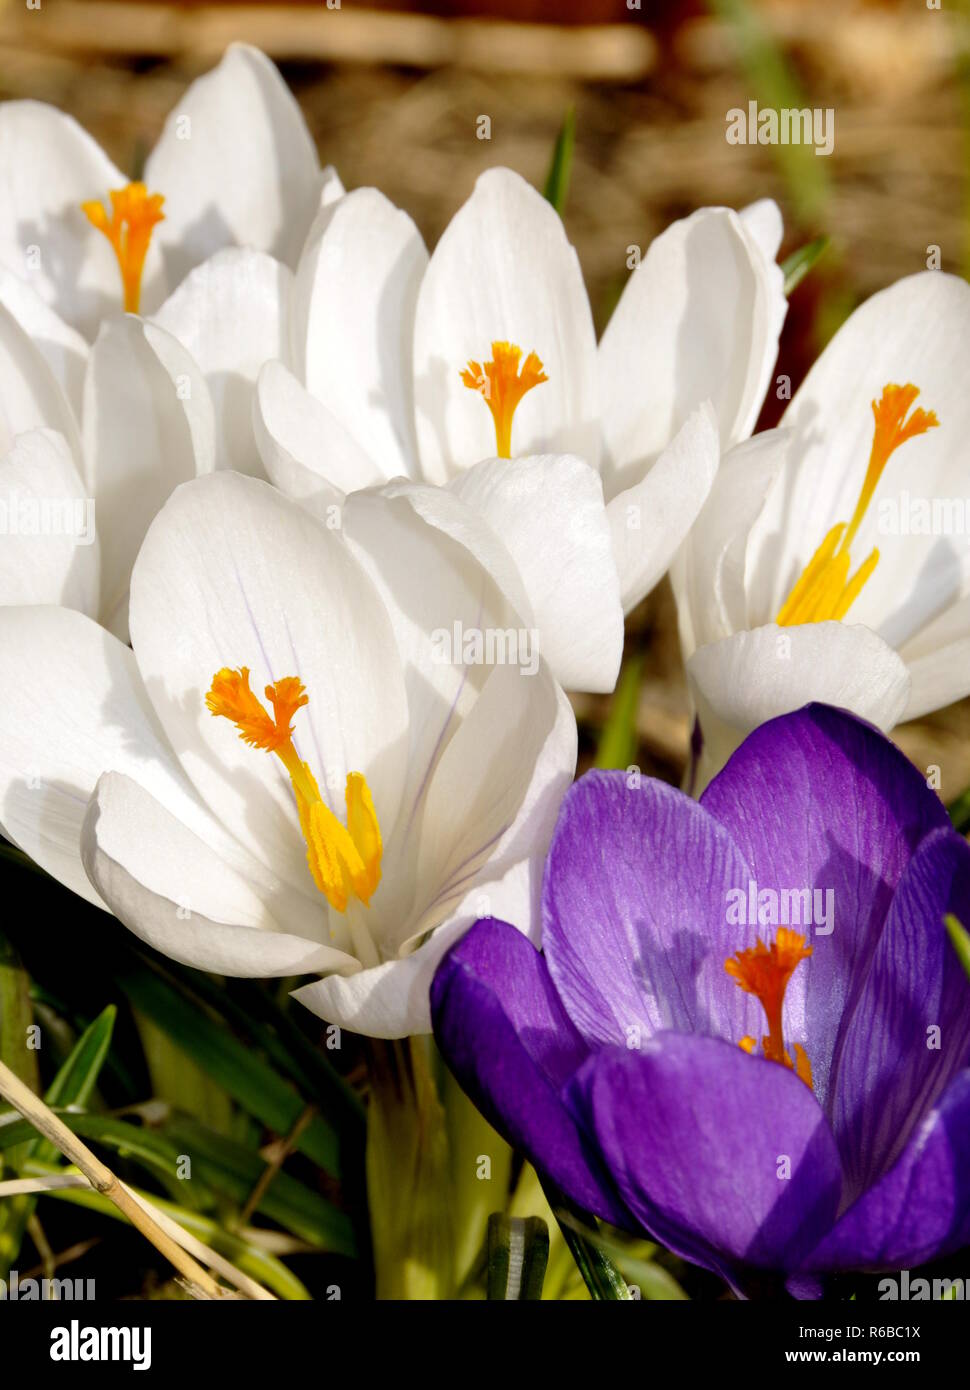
x: 345, y: 861
x: 502, y: 386
x: 824, y: 591
x: 134, y: 214
x: 764, y: 972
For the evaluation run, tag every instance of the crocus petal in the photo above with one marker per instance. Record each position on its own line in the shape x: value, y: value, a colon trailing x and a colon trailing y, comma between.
x: 764, y: 222
x: 511, y: 750
x: 921, y: 1208
x: 548, y: 512
x: 911, y: 332
x: 635, y: 914
x: 840, y: 809
x: 708, y: 574
x: 230, y: 314
x: 236, y: 164
x: 50, y: 166
x: 740, y: 681
x: 182, y: 898
x: 438, y: 595
x: 148, y: 426
x: 63, y: 348
x: 75, y: 708
x: 698, y: 320
x: 31, y: 397
x: 503, y: 271
x: 356, y: 288
x: 938, y: 660
x: 506, y: 1037
x: 391, y: 1000
x: 49, y: 551
x: 650, y: 519
x: 722, y: 1157
x: 906, y: 1033
x: 305, y: 449
x: 233, y: 574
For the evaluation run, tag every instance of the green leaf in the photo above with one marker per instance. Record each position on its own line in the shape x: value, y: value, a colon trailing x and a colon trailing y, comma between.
x: 960, y: 938
x: 518, y: 1251
x: 229, y: 1063
x: 257, y: 1263
x: 77, y: 1078
x: 557, y: 180
x: 600, y: 1274
x: 617, y: 746
x: 796, y: 266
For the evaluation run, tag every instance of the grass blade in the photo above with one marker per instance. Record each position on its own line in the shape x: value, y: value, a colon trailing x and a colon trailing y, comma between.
x: 556, y: 189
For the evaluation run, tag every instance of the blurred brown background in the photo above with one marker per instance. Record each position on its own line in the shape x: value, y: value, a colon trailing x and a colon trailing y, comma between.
x: 392, y: 92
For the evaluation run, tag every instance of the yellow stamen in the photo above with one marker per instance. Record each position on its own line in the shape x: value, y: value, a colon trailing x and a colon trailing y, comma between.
x: 764, y: 972
x: 134, y: 213
x: 824, y: 591
x: 502, y: 386
x: 345, y: 861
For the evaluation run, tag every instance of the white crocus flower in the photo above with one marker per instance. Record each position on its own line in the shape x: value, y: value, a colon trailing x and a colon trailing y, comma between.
x: 580, y: 462
x: 285, y: 776
x: 832, y: 560
x: 92, y: 442
x: 235, y: 165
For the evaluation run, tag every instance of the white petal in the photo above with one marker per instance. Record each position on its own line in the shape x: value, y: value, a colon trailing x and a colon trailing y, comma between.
x: 503, y: 271
x: 73, y: 706
x: 305, y: 450
x: 912, y: 332
x: 63, y: 348
x: 764, y: 221
x: 30, y: 395
x: 391, y: 1000
x: 230, y: 314
x: 148, y: 426
x: 356, y: 287
x: 49, y: 550
x: 699, y: 319
x: 507, y: 766
x: 708, y: 576
x: 938, y: 658
x: 179, y: 896
x: 548, y: 512
x: 650, y: 520
x: 430, y: 583
x: 233, y: 574
x: 744, y: 680
x: 49, y: 166
x: 236, y: 164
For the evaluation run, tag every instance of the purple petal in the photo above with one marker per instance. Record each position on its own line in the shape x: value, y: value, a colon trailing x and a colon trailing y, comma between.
x: 506, y: 1037
x: 695, y: 1134
x: 635, y: 906
x: 921, y: 1208
x: 820, y: 800
x: 889, y: 1068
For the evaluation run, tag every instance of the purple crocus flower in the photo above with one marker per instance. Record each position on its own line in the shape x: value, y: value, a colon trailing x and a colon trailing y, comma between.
x: 783, y: 1109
